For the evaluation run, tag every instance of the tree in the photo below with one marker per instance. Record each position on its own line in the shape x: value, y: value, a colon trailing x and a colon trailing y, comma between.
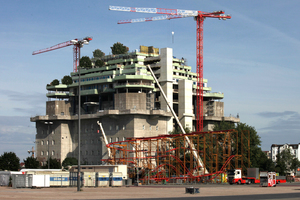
x: 265, y: 163
x: 295, y: 164
x: 99, y: 63
x: 257, y: 156
x: 67, y: 80
x: 85, y: 62
x: 9, y: 161
x: 54, y: 164
x: 286, y: 162
x: 54, y: 82
x: 31, y: 163
x: 98, y: 53
x: 119, y: 48
x: 255, y: 142
x: 69, y: 162
x: 223, y: 126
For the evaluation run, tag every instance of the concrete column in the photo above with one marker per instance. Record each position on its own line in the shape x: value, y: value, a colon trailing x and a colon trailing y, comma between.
x: 166, y: 81
x: 185, y: 103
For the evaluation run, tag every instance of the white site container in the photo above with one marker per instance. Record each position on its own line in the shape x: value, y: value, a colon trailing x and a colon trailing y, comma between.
x: 117, y: 179
x: 59, y: 179
x: 40, y: 181
x: 103, y: 179
x: 89, y: 179
x: 123, y: 169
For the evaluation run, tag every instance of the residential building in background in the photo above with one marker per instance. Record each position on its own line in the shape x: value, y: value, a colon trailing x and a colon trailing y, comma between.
x: 278, y: 148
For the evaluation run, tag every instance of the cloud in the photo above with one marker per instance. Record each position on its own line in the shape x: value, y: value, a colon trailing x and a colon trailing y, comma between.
x: 277, y: 114
x: 17, y: 134
x: 283, y: 121
x: 25, y: 97
x: 12, y: 125
x: 284, y: 127
x: 279, y: 137
x: 268, y: 30
x: 24, y: 102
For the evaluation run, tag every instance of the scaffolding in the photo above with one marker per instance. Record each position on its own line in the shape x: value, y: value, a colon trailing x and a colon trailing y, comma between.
x: 168, y: 157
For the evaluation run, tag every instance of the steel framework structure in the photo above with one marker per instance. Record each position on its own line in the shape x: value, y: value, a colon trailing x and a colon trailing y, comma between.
x: 167, y: 157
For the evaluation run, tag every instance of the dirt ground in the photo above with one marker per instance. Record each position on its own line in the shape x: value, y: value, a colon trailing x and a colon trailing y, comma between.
x: 141, y: 192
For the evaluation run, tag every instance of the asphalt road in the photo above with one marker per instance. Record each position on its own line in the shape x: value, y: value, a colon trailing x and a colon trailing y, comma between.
x: 289, y: 191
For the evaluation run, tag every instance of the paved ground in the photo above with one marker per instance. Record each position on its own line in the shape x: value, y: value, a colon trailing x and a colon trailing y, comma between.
x: 282, y: 191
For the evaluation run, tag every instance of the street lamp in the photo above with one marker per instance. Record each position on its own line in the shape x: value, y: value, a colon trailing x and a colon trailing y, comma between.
x: 78, y: 44
x: 49, y: 123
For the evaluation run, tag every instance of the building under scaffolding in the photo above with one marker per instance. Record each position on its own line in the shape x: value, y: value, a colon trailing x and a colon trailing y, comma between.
x: 167, y: 157
x: 123, y: 96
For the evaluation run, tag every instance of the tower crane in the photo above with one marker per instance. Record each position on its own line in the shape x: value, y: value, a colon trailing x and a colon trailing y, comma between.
x: 78, y: 43
x: 31, y: 151
x: 199, y: 16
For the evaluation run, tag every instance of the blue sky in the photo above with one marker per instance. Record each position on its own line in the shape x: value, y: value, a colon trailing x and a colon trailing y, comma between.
x: 252, y: 58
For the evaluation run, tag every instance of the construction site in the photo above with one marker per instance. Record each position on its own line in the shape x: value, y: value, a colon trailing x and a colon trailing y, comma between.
x: 124, y: 114
x: 170, y: 158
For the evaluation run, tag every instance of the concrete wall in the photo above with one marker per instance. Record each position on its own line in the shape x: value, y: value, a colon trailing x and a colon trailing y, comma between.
x: 146, y: 126
x: 65, y: 141
x: 213, y: 108
x: 48, y: 140
x: 58, y: 108
x: 125, y: 101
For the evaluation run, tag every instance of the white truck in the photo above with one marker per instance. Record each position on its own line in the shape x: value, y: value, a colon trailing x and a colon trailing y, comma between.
x: 235, y: 176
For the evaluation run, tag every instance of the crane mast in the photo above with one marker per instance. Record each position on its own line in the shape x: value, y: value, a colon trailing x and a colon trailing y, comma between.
x: 78, y: 43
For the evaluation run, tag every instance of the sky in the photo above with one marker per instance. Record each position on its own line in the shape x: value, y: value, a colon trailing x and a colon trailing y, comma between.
x: 252, y: 58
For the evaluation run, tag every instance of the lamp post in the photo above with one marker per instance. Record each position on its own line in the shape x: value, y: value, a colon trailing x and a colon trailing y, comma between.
x: 77, y: 45
x: 48, y: 123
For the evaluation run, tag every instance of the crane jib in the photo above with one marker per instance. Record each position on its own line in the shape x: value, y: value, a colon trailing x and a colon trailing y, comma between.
x: 155, y: 10
x: 58, y: 46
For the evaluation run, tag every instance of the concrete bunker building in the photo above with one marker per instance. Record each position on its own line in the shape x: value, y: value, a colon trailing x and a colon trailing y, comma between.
x: 122, y: 95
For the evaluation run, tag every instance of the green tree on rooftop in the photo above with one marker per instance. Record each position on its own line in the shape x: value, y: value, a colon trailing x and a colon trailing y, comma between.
x: 99, y: 63
x: 98, y: 53
x: 119, y: 48
x: 85, y: 62
x: 54, y: 82
x: 67, y: 80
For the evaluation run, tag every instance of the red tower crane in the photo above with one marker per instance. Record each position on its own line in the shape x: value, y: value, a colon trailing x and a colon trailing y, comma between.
x: 174, y: 14
x: 78, y: 43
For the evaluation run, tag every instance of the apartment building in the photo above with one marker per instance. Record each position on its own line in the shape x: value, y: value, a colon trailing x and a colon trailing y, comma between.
x: 278, y: 148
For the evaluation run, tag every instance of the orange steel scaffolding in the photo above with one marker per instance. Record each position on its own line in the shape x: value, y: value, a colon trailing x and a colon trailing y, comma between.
x: 167, y: 157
